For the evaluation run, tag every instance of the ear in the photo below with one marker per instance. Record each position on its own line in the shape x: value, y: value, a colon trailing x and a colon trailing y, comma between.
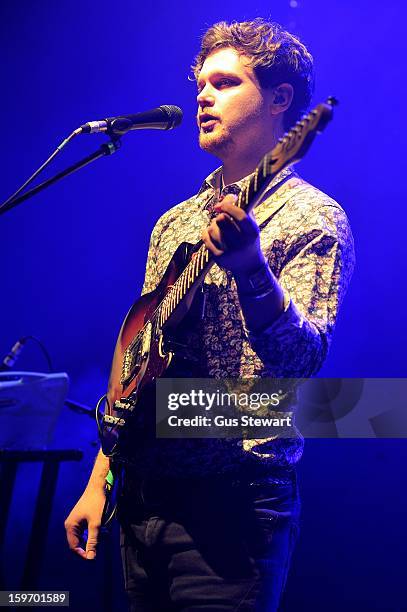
x: 281, y: 98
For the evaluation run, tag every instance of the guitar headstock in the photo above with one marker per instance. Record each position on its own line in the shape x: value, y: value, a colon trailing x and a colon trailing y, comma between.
x: 296, y: 142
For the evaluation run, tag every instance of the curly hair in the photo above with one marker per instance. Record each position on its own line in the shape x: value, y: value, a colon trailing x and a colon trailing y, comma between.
x: 275, y: 55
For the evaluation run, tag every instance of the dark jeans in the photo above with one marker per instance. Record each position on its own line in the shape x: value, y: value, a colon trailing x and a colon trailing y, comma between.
x: 207, y: 545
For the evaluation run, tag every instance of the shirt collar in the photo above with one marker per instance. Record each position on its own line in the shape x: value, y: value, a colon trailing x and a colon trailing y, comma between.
x: 213, y: 181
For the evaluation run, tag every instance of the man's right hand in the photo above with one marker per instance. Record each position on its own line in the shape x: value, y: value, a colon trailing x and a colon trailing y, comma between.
x: 86, y: 515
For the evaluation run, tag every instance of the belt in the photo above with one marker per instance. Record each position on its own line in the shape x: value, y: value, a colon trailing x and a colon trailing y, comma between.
x: 154, y: 493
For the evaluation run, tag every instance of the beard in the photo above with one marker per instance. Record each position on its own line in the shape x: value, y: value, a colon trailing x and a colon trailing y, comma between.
x: 216, y: 141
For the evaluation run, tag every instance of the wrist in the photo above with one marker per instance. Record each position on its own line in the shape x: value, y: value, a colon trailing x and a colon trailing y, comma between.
x: 95, y: 489
x: 256, y: 283
x: 249, y: 265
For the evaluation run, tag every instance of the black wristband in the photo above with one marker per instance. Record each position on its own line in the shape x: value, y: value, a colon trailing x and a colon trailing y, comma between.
x: 258, y: 284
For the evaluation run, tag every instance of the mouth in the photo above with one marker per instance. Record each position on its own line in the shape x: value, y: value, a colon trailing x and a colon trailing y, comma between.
x: 207, y: 122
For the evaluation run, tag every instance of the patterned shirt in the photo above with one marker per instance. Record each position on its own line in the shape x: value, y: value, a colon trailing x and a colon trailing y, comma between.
x: 306, y: 238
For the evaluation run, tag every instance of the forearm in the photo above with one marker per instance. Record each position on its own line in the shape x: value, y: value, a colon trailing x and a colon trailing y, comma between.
x: 261, y: 297
x: 99, y: 472
x: 292, y: 346
x: 88, y: 512
x: 287, y: 343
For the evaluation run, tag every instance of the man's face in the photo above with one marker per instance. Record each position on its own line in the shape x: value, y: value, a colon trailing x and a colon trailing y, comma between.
x: 233, y: 110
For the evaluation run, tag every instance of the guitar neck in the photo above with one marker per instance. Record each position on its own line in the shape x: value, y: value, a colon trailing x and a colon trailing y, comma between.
x: 193, y: 274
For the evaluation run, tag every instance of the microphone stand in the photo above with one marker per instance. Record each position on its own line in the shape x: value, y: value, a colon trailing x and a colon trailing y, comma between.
x: 108, y: 148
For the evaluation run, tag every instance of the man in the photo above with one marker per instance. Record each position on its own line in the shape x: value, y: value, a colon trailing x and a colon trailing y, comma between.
x: 210, y: 524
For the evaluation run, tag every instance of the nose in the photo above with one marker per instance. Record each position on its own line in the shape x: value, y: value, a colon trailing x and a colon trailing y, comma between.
x: 205, y: 97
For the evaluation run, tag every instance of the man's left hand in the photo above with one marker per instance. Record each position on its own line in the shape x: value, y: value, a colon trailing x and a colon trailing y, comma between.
x: 234, y: 238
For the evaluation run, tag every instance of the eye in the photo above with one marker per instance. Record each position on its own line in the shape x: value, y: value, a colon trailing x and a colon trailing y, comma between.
x: 219, y: 83
x: 225, y: 82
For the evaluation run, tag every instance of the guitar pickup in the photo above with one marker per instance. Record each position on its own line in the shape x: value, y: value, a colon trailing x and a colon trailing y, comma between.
x: 111, y: 420
x: 123, y: 404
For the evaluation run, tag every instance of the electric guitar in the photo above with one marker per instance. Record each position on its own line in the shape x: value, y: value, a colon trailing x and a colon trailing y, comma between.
x: 141, y: 355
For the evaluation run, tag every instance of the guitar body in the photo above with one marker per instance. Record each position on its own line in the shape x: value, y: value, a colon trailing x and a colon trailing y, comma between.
x: 140, y: 355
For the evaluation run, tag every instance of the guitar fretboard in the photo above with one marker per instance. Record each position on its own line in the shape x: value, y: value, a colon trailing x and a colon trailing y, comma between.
x: 198, y: 266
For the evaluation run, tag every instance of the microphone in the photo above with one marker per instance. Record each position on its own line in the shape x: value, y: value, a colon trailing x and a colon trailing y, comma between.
x: 11, y: 357
x: 165, y: 117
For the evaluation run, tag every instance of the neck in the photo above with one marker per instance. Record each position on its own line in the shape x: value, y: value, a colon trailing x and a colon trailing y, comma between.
x: 236, y: 167
x: 234, y: 171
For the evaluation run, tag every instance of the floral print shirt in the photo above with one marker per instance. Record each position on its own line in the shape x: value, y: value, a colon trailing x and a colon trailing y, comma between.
x: 306, y: 238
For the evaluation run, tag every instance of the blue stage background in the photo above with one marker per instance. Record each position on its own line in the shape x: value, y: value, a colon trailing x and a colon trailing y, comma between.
x: 74, y: 256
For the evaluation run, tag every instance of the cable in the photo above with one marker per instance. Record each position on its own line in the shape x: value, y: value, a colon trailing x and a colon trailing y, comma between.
x: 104, y: 397
x: 44, y: 350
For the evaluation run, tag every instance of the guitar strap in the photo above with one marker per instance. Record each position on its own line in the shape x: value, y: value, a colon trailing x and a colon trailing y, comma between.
x: 291, y: 185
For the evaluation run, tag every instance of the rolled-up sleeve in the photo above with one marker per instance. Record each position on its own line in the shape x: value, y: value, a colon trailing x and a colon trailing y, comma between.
x: 317, y: 269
